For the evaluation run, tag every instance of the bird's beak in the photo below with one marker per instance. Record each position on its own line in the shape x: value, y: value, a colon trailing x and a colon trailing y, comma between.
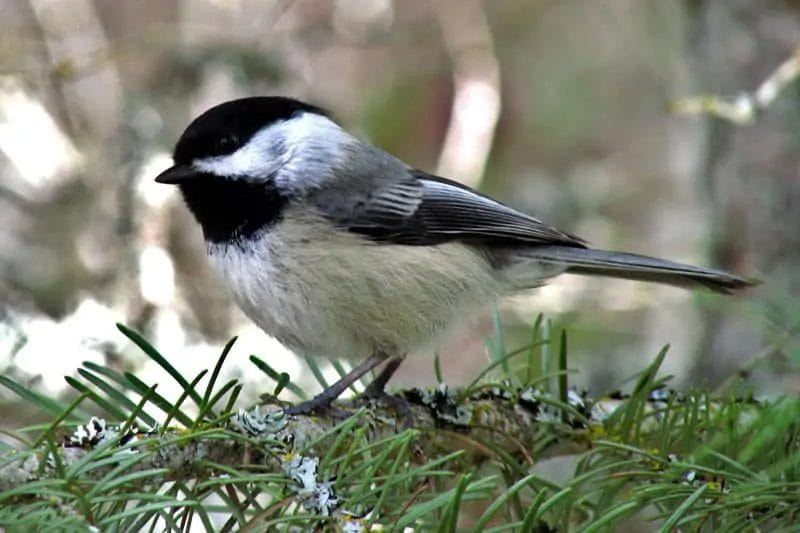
x: 176, y: 175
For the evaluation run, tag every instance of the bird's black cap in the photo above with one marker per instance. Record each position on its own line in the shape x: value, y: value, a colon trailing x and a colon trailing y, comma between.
x: 224, y: 128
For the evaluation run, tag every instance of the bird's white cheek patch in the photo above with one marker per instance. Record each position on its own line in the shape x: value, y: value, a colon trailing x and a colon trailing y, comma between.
x: 244, y: 162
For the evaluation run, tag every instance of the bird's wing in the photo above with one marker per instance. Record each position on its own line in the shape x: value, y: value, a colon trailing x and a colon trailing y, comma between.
x: 423, y: 209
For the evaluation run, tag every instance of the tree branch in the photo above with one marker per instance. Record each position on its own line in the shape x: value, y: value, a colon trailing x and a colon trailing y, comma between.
x: 515, y: 421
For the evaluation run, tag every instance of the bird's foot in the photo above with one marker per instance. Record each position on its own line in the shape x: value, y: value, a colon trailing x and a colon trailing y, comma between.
x: 319, y: 404
x: 323, y: 401
x: 398, y: 403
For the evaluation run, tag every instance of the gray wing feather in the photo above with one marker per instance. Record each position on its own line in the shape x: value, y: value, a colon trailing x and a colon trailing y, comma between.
x: 451, y: 208
x: 418, y: 209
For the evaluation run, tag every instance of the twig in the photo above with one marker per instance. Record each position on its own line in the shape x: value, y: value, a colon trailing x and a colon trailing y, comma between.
x: 744, y: 108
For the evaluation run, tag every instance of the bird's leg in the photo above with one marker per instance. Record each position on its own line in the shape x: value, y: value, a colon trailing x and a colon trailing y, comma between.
x: 375, y: 390
x: 376, y: 386
x: 324, y: 399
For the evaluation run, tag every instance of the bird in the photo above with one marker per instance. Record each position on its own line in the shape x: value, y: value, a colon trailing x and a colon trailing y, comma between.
x: 337, y: 248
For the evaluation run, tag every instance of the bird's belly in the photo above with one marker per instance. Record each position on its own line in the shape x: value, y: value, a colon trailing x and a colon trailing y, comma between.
x: 348, y: 298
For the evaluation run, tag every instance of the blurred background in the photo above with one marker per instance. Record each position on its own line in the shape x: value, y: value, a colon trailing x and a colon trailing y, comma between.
x: 560, y: 108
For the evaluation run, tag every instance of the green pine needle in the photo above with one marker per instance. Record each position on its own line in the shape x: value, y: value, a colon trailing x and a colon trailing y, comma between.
x: 698, y: 462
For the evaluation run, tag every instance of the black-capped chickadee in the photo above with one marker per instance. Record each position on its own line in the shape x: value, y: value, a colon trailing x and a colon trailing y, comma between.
x: 336, y: 248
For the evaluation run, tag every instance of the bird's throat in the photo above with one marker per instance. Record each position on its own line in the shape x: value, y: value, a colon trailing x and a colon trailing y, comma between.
x: 232, y: 210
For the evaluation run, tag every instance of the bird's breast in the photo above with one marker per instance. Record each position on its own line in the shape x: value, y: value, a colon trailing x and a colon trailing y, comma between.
x: 323, y: 291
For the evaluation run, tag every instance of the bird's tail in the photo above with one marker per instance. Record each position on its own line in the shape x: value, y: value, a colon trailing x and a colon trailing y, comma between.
x: 566, y: 259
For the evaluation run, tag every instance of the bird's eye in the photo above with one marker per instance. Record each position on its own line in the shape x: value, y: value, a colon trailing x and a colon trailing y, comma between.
x: 226, y: 143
